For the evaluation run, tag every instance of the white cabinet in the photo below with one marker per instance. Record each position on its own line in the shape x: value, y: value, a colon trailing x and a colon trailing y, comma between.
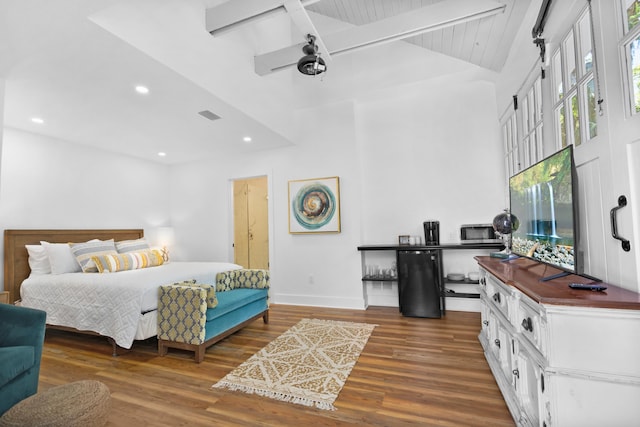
x: 560, y: 357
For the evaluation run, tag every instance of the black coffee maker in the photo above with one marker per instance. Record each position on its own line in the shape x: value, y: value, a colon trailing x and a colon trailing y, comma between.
x: 431, y: 233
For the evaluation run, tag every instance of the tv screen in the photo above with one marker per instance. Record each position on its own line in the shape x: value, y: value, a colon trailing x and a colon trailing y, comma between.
x: 543, y: 199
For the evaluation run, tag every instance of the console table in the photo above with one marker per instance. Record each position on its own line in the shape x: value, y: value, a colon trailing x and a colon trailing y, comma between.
x: 420, y: 271
x: 561, y: 357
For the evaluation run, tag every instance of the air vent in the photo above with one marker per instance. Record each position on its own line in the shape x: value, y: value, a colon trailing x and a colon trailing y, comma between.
x: 209, y: 115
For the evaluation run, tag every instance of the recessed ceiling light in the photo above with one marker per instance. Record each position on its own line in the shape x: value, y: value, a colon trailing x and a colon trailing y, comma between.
x: 162, y: 154
x: 247, y: 139
x: 37, y: 120
x: 142, y: 89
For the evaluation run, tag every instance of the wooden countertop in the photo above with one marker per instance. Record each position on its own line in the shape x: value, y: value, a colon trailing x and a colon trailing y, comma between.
x: 525, y: 274
x: 497, y: 246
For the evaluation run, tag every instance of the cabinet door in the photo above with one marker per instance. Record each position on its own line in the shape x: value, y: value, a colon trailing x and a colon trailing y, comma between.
x: 527, y: 377
x: 505, y: 346
x: 485, y: 319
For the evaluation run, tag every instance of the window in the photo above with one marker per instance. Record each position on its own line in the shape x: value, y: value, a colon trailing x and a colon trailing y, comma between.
x: 574, y: 86
x: 532, y: 124
x: 510, y: 140
x: 522, y: 129
x: 631, y: 44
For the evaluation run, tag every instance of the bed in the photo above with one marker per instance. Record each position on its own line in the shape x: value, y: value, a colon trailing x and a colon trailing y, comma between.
x: 121, y: 306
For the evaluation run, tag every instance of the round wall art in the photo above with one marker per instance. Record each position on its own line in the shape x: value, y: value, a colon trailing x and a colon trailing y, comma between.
x: 314, y: 206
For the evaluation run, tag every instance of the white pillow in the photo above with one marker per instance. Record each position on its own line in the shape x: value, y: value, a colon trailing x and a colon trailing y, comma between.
x: 61, y: 258
x: 38, y: 260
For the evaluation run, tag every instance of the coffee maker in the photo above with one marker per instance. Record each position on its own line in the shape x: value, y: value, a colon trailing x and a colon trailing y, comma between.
x: 431, y: 233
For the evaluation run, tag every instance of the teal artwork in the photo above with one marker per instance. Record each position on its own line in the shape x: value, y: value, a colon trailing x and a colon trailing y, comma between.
x: 314, y: 206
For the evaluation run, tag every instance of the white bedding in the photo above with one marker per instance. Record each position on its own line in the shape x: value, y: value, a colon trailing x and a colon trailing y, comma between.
x: 110, y: 304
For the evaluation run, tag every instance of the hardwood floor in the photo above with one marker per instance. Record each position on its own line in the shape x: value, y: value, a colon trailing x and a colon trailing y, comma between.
x: 428, y: 372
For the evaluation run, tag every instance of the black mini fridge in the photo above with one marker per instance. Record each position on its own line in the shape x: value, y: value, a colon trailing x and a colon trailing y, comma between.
x: 419, y: 288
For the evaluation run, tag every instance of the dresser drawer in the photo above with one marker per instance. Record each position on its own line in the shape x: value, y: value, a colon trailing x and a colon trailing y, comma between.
x: 499, y: 295
x: 530, y: 324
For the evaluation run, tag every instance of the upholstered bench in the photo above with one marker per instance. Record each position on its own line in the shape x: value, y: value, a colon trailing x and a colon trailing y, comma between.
x: 193, y: 316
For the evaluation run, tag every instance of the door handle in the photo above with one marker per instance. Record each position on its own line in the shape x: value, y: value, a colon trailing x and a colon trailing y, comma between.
x: 622, y: 202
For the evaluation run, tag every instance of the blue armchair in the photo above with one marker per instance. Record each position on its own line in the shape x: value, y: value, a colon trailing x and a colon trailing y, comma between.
x: 21, y: 340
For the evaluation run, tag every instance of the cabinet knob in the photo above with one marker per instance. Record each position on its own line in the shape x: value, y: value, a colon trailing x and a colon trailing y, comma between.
x: 516, y: 373
x: 496, y: 297
x: 527, y: 325
x: 482, y: 281
x: 497, y: 342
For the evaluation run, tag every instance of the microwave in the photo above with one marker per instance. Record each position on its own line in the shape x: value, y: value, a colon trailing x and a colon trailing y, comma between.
x: 478, y: 233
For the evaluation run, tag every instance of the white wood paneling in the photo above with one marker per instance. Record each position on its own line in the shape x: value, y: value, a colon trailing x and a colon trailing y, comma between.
x: 485, y: 42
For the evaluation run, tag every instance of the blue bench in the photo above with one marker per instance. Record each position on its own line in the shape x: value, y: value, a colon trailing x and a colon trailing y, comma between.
x: 194, y: 316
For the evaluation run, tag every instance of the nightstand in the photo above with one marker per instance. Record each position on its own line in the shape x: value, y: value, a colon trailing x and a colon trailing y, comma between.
x: 4, y: 297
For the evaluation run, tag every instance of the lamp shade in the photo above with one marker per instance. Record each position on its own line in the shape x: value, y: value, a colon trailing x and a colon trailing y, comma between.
x: 311, y: 65
x: 165, y: 236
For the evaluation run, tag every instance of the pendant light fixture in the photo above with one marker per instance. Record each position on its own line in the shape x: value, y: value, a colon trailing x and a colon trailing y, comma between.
x: 311, y: 64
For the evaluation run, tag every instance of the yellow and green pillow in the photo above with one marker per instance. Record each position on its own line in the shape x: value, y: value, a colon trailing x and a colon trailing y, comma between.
x: 110, y: 263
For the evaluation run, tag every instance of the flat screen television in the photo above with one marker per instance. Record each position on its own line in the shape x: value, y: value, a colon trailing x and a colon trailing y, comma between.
x: 544, y: 200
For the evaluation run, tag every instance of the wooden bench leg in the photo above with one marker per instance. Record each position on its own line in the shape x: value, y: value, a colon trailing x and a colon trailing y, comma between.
x: 199, y: 353
x: 162, y: 350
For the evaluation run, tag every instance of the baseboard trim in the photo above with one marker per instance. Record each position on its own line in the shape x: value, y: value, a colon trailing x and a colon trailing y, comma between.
x: 318, y: 301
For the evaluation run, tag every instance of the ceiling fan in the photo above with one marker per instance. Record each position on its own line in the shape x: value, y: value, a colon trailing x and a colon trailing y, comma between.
x: 311, y: 64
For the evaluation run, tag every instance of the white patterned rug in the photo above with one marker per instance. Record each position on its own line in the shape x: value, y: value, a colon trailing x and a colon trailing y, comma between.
x: 307, y: 365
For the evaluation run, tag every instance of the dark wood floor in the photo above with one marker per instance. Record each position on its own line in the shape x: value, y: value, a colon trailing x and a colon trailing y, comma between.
x: 427, y: 372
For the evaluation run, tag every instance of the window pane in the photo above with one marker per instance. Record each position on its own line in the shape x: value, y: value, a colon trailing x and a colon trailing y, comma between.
x: 562, y: 130
x: 556, y: 68
x: 585, y: 44
x: 634, y: 56
x: 570, y: 60
x: 525, y: 153
x: 539, y: 154
x: 632, y: 8
x: 531, y: 106
x: 538, y: 91
x: 525, y: 115
x: 591, y: 108
x: 575, y: 118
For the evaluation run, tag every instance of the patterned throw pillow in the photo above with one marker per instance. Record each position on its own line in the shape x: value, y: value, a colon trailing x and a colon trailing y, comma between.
x: 85, y: 251
x: 111, y: 263
x: 126, y: 246
x: 212, y: 300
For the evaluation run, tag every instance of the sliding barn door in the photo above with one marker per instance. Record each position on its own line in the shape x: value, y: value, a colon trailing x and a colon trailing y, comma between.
x: 251, y: 223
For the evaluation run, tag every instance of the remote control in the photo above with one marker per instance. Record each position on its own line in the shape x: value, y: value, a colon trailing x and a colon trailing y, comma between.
x: 588, y: 286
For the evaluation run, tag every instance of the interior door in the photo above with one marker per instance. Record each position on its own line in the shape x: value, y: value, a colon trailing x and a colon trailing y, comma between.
x: 251, y: 222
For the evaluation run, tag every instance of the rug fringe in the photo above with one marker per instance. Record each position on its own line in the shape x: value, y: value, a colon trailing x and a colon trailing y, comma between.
x: 342, y: 323
x: 283, y: 397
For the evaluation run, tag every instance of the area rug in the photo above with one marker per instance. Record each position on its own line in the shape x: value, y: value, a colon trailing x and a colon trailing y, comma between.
x: 307, y: 365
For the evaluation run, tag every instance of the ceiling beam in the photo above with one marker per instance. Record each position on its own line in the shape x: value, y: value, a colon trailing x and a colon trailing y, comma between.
x: 429, y: 18
x: 231, y: 14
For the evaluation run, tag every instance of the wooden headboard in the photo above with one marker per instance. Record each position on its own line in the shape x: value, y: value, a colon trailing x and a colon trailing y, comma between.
x: 16, y: 258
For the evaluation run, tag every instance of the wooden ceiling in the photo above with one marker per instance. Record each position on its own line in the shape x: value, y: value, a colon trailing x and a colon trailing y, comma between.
x: 484, y: 42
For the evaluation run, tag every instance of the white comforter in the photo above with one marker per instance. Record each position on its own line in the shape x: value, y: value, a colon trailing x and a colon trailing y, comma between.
x: 110, y: 304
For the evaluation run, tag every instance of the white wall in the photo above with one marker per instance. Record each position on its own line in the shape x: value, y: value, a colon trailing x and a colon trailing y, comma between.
x: 430, y: 153
x: 201, y: 208
x: 2, y: 84
x: 48, y: 183
x: 407, y: 155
